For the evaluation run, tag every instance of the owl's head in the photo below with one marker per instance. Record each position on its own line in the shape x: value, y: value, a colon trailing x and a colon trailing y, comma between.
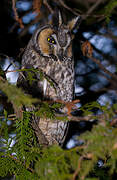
x: 55, y: 40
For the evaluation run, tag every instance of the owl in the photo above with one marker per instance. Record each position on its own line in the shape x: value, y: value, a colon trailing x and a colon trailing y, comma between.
x: 50, y: 50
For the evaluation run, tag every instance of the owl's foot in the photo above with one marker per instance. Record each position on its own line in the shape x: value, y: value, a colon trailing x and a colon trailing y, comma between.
x: 69, y: 105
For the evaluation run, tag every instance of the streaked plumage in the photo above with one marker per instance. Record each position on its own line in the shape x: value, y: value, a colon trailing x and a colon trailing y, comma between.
x: 50, y: 50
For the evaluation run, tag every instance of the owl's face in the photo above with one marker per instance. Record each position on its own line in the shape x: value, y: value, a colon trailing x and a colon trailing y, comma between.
x: 55, y: 42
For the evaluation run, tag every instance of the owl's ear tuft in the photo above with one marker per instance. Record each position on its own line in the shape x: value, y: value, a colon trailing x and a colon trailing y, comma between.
x: 74, y: 23
x: 57, y: 19
x: 60, y: 18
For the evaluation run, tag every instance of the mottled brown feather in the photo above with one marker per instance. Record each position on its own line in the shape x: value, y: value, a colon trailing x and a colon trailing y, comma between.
x: 42, y: 41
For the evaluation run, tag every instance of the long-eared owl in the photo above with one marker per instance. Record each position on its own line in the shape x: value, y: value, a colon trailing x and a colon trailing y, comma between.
x: 50, y: 50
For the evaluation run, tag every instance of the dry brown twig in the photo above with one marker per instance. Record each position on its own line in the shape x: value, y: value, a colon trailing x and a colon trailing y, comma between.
x: 93, y: 7
x: 37, y: 5
x: 88, y: 51
x: 88, y: 13
x: 36, y: 20
x: 19, y: 20
x: 68, y: 8
x: 87, y: 156
x: 113, y: 76
x: 45, y: 2
x: 75, y: 174
x: 10, y: 59
x: 11, y: 63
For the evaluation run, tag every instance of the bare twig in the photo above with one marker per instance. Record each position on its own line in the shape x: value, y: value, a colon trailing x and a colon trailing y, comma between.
x: 68, y: 8
x: 87, y: 50
x: 19, y: 20
x: 87, y: 156
x: 12, y: 63
x: 48, y: 6
x: 24, y: 31
x: 93, y: 7
x: 111, y: 59
x: 91, y: 117
x: 109, y: 35
x: 113, y: 76
x: 37, y: 5
x: 17, y: 70
x: 78, y: 168
x: 114, y: 85
x: 10, y: 59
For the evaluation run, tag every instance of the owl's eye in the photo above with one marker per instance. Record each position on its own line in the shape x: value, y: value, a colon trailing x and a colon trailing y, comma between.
x: 51, y: 40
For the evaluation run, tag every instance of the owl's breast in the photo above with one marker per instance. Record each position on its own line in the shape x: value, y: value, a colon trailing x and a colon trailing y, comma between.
x: 62, y: 76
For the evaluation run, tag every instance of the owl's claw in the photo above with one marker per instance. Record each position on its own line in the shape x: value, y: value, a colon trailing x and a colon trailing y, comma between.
x: 69, y: 105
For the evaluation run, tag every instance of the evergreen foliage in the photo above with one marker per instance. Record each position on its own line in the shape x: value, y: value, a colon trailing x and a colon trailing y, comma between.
x: 21, y: 156
x: 109, y: 8
x: 16, y: 95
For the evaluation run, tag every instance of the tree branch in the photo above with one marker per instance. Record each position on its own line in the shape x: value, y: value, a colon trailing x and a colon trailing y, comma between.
x: 19, y: 20
x: 113, y: 76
